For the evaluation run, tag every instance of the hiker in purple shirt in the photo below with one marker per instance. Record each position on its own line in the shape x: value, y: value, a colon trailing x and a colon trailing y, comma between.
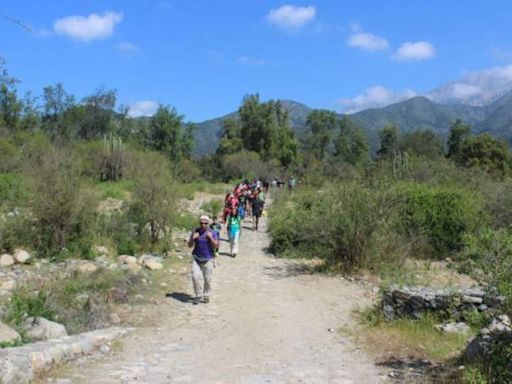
x: 205, y: 241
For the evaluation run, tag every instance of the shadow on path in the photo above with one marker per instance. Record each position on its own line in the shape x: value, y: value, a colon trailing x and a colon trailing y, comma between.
x: 180, y: 296
x: 289, y: 270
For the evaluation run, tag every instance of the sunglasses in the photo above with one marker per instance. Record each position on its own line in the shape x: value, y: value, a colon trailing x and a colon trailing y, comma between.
x: 203, y: 222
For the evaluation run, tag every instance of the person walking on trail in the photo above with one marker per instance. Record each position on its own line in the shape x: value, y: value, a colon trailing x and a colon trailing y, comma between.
x: 233, y: 226
x: 205, y: 241
x: 257, y: 208
x: 216, y: 227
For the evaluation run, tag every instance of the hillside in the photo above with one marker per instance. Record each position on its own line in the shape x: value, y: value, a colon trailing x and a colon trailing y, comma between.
x: 409, y: 115
x: 208, y: 133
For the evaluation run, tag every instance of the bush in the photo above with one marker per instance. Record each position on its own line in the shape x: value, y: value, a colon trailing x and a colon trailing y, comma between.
x: 339, y: 225
x: 13, y: 190
x: 153, y: 202
x: 439, y: 215
x: 212, y: 207
x: 63, y: 214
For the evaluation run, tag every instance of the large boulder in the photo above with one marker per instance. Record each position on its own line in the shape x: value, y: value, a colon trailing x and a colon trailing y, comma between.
x: 7, y: 334
x: 150, y: 262
x: 39, y: 328
x: 483, y: 345
x: 6, y: 260
x: 127, y: 259
x: 21, y: 256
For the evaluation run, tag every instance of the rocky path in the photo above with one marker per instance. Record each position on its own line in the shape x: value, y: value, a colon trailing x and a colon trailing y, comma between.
x: 267, y: 322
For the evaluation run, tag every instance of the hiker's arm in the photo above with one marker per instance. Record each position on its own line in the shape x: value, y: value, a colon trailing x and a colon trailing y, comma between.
x: 193, y: 237
x: 213, y: 241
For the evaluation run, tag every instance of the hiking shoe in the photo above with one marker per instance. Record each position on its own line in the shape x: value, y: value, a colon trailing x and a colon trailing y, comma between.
x: 206, y: 300
x: 196, y: 301
x: 234, y: 254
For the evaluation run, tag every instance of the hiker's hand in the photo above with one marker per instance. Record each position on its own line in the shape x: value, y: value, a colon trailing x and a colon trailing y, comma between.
x: 209, y: 236
x: 195, y: 236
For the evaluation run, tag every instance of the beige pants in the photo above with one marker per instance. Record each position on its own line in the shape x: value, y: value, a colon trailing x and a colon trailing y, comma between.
x: 202, y: 277
x: 233, y: 243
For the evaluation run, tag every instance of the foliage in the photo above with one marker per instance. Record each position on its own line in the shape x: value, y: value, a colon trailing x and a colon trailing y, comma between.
x: 62, y: 212
x: 458, y: 132
x: 440, y: 216
x: 212, y: 207
x: 351, y: 145
x: 231, y: 138
x: 113, y: 158
x: 425, y: 143
x: 153, y: 202
x: 388, y: 137
x: 322, y: 124
x: 485, y: 152
x: 168, y: 134
x: 338, y: 225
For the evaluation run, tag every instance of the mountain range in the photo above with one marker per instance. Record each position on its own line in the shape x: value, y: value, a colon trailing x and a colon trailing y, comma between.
x: 420, y: 112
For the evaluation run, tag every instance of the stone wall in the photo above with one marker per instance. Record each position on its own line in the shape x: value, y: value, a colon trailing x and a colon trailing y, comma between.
x: 413, y: 302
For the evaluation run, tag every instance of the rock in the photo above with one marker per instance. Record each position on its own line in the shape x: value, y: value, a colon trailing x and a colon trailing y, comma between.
x: 453, y: 327
x: 102, y: 250
x: 7, y: 334
x: 482, y: 346
x: 9, y: 285
x: 21, y: 256
x: 87, y: 267
x: 126, y: 259
x: 472, y: 299
x: 6, y: 260
x: 117, y: 295
x: 153, y: 265
x: 39, y: 328
x: 133, y: 268
x: 114, y: 318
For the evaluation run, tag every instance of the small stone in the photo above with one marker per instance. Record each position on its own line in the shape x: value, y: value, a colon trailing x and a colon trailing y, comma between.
x: 331, y: 330
x: 21, y: 256
x: 114, y: 318
x: 39, y: 328
x: 163, y: 284
x: 153, y: 265
x: 127, y: 259
x: 102, y: 250
x: 105, y: 349
x: 454, y: 327
x: 6, y: 260
x: 87, y: 267
x: 7, y: 334
x: 472, y: 300
x: 9, y: 285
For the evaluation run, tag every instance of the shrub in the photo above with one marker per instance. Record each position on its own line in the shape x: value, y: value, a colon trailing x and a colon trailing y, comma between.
x: 439, y: 215
x: 212, y: 207
x: 12, y: 190
x: 153, y: 203
x: 64, y: 215
x: 338, y: 225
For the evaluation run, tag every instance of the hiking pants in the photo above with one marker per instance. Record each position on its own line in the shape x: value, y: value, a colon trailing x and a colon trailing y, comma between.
x: 202, y: 277
x: 233, y: 242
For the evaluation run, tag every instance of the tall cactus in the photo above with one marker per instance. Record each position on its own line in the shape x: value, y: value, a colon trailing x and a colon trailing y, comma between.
x: 113, y: 158
x: 400, y: 164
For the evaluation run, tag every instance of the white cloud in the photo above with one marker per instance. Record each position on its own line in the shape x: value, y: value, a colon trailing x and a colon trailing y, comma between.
x: 142, y: 108
x: 367, y: 41
x: 475, y: 87
x: 291, y: 16
x: 420, y: 50
x: 128, y: 49
x: 88, y: 28
x: 251, y: 61
x: 375, y: 97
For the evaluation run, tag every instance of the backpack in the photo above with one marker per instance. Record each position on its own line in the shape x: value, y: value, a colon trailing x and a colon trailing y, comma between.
x: 241, y: 211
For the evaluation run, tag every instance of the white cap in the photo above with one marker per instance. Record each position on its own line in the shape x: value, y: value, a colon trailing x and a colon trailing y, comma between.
x: 204, y: 218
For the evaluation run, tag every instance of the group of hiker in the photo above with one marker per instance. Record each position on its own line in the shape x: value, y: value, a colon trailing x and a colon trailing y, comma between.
x: 247, y: 199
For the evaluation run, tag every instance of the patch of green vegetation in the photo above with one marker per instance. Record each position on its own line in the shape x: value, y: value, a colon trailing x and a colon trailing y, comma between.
x: 418, y: 338
x: 185, y: 221
x: 115, y: 189
x: 11, y: 344
x: 212, y: 207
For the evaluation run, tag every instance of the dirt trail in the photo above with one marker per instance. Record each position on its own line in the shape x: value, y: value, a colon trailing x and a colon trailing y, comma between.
x: 267, y: 322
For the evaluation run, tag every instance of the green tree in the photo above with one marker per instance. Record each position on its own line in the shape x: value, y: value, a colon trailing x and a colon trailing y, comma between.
x: 485, y: 152
x: 99, y: 111
x: 322, y: 124
x: 231, y: 139
x: 458, y: 132
x: 388, y: 137
x: 423, y: 143
x: 57, y: 104
x: 167, y: 134
x: 351, y: 145
x: 10, y: 107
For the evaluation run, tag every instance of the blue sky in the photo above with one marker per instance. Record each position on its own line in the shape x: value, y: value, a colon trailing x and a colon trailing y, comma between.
x: 202, y: 57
